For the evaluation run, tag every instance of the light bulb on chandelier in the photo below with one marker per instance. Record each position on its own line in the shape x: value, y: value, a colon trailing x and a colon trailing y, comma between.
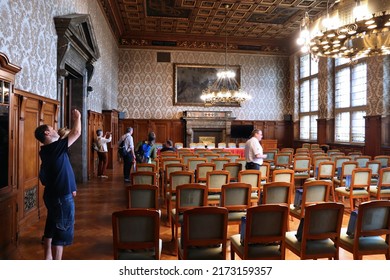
x: 225, y: 89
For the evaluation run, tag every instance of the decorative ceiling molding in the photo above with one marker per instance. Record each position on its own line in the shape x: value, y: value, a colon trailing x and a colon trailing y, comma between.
x: 200, y: 24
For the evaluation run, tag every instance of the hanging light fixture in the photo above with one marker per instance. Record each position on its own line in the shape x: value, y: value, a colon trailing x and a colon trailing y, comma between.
x: 353, y: 29
x: 225, y: 89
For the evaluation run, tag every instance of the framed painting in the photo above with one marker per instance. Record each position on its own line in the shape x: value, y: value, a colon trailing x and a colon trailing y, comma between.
x: 191, y: 80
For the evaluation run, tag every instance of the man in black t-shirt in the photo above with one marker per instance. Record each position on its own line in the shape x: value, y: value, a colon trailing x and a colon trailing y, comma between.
x: 60, y: 186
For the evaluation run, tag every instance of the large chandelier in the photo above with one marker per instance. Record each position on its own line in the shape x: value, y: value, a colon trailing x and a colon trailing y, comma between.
x: 350, y: 29
x: 225, y: 89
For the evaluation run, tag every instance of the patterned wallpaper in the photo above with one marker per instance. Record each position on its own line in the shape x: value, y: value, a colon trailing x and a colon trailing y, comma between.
x: 146, y: 87
x: 31, y: 43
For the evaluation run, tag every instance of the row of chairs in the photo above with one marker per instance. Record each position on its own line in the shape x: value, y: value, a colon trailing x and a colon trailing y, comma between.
x: 218, y: 145
x: 204, y: 233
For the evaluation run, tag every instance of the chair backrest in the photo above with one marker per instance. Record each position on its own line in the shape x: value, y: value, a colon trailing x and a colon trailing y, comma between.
x: 283, y: 159
x: 232, y: 145
x: 236, y: 196
x: 347, y: 167
x: 315, y: 191
x: 173, y: 167
x: 221, y: 145
x: 322, y: 221
x: 146, y: 167
x: 375, y: 166
x: 302, y: 164
x: 189, y: 196
x: 192, y: 145
x: 265, y: 224
x: 234, y: 168
x: 326, y: 170
x: 287, y: 150
x: 204, y: 227
x: 362, y: 160
x: 333, y: 156
x: 270, y: 155
x: 143, y: 178
x: 314, y: 146
x: 223, y: 153
x: 385, y: 160
x: 265, y: 169
x: 136, y: 242
x: 216, y: 179
x: 232, y: 157
x: 241, y: 161
x: 142, y: 196
x: 283, y: 175
x: 306, y: 145
x: 251, y: 177
x: 186, y: 157
x: 168, y: 154
x: 193, y: 162
x: 340, y: 160
x: 354, y: 155
x: 219, y: 162
x: 179, y: 145
x: 200, y: 145
x: 166, y: 161
x: 361, y: 178
x: 317, y: 160
x: 277, y: 193
x: 179, y: 178
x: 210, y: 145
x: 241, y: 145
x: 201, y: 171
x: 384, y: 177
x: 209, y: 157
x: 373, y: 220
x: 302, y: 150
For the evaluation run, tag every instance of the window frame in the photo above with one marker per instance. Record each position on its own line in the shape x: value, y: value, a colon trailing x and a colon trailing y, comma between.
x: 350, y: 109
x: 312, y: 135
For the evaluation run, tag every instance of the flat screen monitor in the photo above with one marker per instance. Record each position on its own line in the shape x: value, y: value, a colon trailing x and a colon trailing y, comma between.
x: 241, y: 131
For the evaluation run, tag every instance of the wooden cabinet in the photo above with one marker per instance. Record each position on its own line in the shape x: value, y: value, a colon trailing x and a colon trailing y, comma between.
x: 8, y: 135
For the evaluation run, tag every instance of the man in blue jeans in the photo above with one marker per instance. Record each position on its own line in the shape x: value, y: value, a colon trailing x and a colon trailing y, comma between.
x: 60, y: 186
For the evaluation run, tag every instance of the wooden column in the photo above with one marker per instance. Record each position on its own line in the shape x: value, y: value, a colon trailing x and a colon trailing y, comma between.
x: 373, y: 135
x: 321, y: 131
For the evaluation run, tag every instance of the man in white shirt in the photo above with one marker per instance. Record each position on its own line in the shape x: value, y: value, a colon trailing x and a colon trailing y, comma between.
x: 253, y: 151
x: 129, y: 157
x: 102, y: 153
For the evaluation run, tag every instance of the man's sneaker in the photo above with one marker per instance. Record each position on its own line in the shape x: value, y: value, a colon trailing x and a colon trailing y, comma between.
x: 127, y: 180
x: 104, y: 176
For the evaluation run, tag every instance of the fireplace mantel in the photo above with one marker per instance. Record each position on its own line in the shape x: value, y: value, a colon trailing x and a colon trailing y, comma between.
x: 211, y: 121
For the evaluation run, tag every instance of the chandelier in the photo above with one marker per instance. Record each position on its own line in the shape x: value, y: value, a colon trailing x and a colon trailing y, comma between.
x: 225, y: 89
x: 352, y: 29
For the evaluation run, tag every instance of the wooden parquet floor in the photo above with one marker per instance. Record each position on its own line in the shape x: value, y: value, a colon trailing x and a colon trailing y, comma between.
x: 95, y: 202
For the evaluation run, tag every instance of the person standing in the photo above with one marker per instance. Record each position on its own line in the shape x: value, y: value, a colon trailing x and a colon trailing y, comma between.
x: 149, y: 148
x: 57, y: 176
x: 129, y: 156
x: 103, y: 151
x: 253, y: 151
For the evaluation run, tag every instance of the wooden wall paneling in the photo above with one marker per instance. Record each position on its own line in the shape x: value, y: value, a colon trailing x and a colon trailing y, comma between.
x: 176, y: 133
x: 31, y: 116
x: 321, y: 131
x: 373, y: 135
x: 385, y: 131
x: 141, y: 130
x: 162, y: 130
x: 8, y: 207
x: 329, y: 130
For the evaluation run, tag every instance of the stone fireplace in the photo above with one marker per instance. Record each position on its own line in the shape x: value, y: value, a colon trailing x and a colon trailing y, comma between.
x: 207, y: 125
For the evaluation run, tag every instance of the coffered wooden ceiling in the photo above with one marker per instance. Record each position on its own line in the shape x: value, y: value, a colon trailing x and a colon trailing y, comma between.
x: 263, y: 26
